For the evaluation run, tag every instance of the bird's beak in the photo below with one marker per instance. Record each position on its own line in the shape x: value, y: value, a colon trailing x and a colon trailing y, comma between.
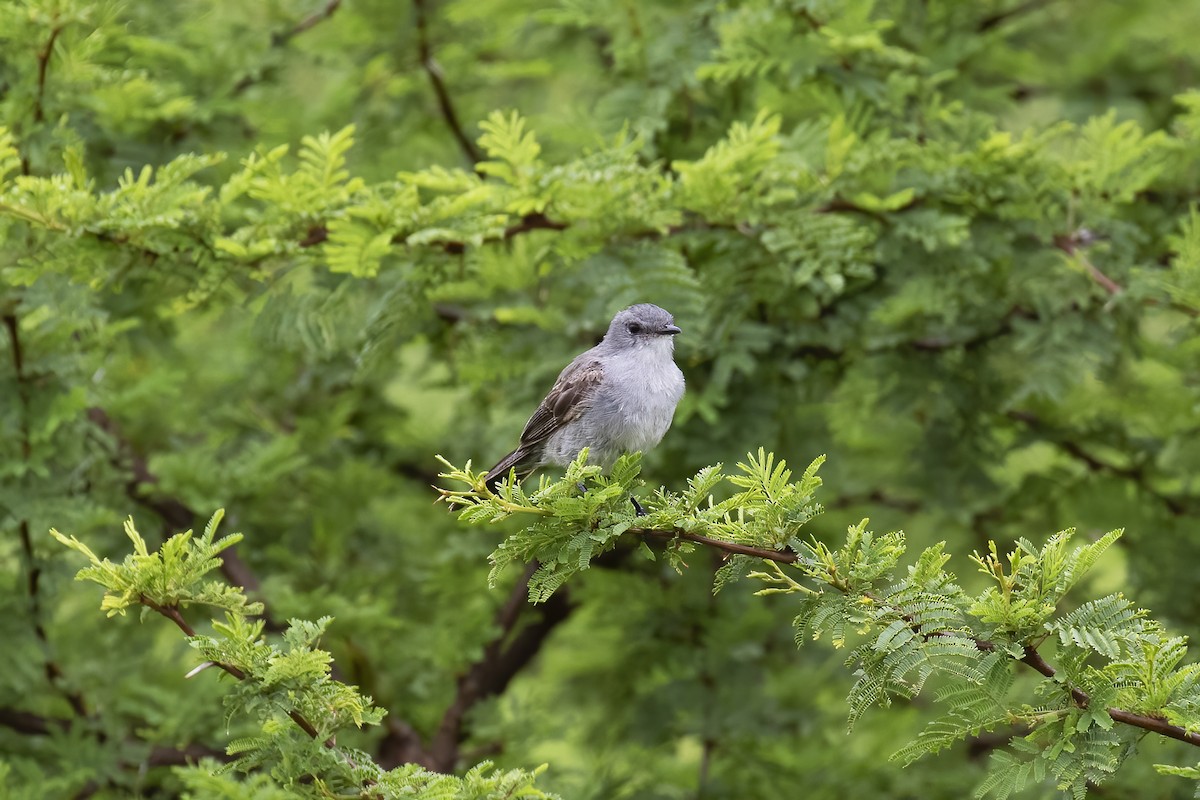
x: 672, y: 330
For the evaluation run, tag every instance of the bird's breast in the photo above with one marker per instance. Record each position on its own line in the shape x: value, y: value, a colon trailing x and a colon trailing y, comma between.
x: 646, y: 393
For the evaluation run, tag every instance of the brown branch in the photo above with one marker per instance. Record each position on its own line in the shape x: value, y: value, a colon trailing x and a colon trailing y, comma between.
x: 503, y: 658
x: 1072, y: 243
x: 165, y: 756
x: 281, y: 39
x: 311, y: 21
x: 172, y: 613
x: 1157, y: 725
x: 31, y: 724
x: 175, y: 514
x: 1176, y: 505
x: 782, y: 556
x: 875, y: 497
x: 437, y: 80
x: 1000, y: 17
x: 43, y: 59
x: 33, y: 569
x: 1031, y: 658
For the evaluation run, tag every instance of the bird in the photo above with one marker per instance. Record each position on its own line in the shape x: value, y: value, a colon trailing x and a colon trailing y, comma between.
x: 616, y: 398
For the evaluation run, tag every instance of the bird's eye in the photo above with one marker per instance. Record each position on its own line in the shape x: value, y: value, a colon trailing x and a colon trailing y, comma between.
x: 635, y: 328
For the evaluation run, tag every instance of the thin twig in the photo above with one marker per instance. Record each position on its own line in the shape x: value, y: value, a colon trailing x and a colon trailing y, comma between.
x: 437, y: 80
x: 33, y: 569
x: 1178, y: 506
x: 43, y: 58
x: 172, y: 613
x: 312, y: 20
x: 990, y: 22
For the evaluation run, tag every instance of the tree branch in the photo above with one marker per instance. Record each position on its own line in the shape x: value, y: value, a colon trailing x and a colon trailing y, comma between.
x: 172, y: 613
x: 1072, y: 243
x: 499, y: 665
x: 1031, y: 659
x: 1157, y: 725
x: 1178, y: 506
x: 437, y: 80
x: 31, y: 724
x: 175, y: 514
x: 993, y: 21
x: 43, y: 64
x: 33, y: 569
x: 312, y: 20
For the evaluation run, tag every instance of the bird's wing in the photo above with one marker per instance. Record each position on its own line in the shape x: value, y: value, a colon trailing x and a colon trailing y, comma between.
x: 570, y: 396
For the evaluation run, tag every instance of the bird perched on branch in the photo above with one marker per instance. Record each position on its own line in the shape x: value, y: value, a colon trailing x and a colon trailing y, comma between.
x: 617, y: 397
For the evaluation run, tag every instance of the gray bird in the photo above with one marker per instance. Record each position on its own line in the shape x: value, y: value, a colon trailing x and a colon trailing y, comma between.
x: 616, y: 398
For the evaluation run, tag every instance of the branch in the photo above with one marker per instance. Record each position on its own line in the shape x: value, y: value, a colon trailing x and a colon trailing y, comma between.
x: 781, y: 556
x: 43, y: 59
x: 32, y: 724
x: 1157, y: 725
x: 499, y: 665
x: 33, y: 570
x: 993, y: 21
x: 311, y: 21
x: 165, y: 756
x: 281, y: 39
x: 172, y: 613
x: 875, y: 497
x: 174, y: 513
x: 1031, y: 659
x: 438, y: 80
x: 1072, y: 243
x: 1176, y: 505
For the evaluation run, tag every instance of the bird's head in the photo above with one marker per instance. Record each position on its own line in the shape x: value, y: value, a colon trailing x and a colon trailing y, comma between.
x: 643, y: 326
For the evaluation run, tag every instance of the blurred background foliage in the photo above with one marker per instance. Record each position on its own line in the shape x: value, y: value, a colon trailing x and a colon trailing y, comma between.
x: 952, y: 245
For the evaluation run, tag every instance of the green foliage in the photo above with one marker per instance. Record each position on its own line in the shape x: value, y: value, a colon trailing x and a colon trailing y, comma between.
x: 909, y: 628
x: 169, y: 576
x: 952, y: 245
x: 285, y: 687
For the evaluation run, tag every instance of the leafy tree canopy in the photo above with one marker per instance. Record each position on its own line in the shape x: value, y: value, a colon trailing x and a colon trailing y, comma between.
x: 273, y: 257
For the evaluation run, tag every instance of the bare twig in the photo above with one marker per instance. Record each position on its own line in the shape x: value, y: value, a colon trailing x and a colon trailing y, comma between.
x: 1073, y: 244
x: 437, y: 80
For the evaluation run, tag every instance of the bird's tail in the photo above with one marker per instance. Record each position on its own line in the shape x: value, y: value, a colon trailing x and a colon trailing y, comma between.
x: 516, y: 459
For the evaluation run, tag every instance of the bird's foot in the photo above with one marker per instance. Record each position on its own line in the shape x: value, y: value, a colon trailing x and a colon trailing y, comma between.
x: 582, y: 487
x: 637, y: 507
